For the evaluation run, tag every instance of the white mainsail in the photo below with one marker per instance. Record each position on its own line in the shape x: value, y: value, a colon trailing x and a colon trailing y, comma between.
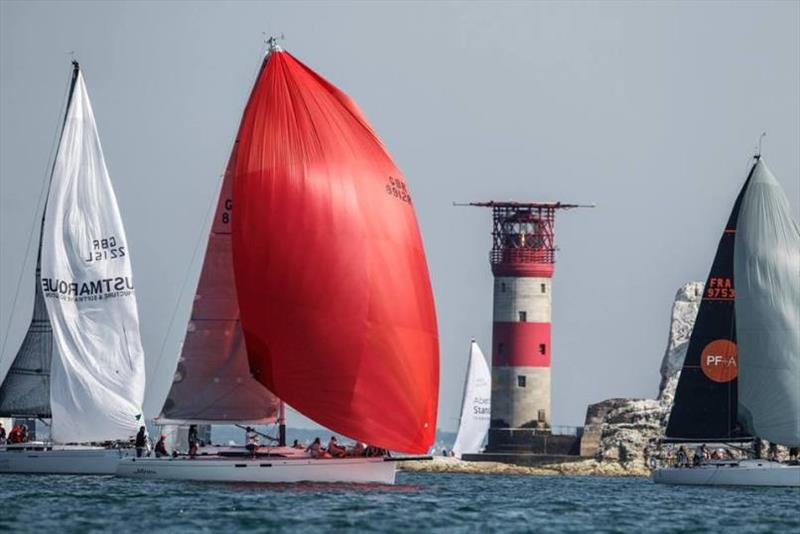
x: 767, y: 278
x: 97, y: 379
x: 476, y: 405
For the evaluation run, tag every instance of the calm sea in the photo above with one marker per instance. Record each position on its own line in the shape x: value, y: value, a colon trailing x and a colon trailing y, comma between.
x: 418, y: 503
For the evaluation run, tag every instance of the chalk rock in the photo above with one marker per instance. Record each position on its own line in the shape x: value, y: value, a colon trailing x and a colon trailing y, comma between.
x: 624, y: 431
x: 684, y: 312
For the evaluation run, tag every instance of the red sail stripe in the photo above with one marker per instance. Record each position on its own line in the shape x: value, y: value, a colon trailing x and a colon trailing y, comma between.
x: 333, y: 285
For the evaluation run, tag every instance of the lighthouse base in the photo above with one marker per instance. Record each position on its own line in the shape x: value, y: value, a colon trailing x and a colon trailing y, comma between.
x: 527, y: 446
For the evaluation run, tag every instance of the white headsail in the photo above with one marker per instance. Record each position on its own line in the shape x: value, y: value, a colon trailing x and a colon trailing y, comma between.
x: 767, y: 278
x: 476, y: 405
x: 98, y: 376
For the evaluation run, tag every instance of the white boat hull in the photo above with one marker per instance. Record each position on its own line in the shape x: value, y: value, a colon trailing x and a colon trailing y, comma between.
x: 270, y: 469
x: 60, y: 460
x: 743, y: 473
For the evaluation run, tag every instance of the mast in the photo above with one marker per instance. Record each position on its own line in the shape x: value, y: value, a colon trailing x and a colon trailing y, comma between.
x: 282, y: 424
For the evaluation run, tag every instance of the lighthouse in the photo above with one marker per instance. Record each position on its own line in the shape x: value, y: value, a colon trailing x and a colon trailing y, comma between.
x: 522, y: 261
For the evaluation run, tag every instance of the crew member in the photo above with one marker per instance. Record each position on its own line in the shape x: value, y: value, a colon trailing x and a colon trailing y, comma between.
x: 193, y: 441
x: 315, y: 449
x: 334, y: 449
x: 161, y: 447
x: 251, y: 441
x: 141, y: 441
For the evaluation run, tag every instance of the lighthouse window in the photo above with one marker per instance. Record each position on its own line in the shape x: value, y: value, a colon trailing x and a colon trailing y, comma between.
x: 542, y: 348
x: 502, y: 287
x: 544, y: 288
x: 500, y: 347
x: 523, y: 316
x: 521, y: 381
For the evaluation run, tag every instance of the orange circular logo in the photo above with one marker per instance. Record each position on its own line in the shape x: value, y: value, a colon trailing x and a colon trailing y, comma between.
x: 719, y: 362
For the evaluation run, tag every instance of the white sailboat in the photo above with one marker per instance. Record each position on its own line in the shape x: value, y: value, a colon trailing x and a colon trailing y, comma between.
x: 81, y: 363
x: 473, y: 426
x: 314, y: 289
x: 766, y: 363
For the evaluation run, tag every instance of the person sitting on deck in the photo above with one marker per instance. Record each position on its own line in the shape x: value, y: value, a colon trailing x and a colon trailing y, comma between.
x: 373, y: 451
x: 334, y: 449
x: 13, y: 435
x: 315, y: 449
x: 193, y: 441
x: 23, y: 434
x: 141, y: 441
x: 251, y: 439
x: 359, y: 449
x: 298, y: 445
x: 2, y: 434
x: 793, y: 454
x: 681, y: 458
x: 772, y: 452
x: 161, y: 447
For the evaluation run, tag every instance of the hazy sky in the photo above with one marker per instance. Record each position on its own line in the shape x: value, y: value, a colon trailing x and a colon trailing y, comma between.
x: 650, y: 110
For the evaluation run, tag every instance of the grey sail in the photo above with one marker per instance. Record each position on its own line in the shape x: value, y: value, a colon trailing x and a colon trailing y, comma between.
x: 767, y: 274
x: 26, y: 388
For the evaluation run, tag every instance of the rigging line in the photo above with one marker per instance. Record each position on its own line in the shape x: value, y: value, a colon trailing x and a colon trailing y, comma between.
x: 47, y: 174
x: 253, y: 76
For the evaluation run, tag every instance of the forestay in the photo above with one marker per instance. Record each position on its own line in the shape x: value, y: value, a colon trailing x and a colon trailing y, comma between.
x: 767, y: 272
x: 476, y: 405
x: 98, y: 376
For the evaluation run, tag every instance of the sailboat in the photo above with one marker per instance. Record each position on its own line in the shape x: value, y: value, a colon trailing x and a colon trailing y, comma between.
x: 473, y: 426
x: 314, y: 290
x: 81, y: 363
x: 740, y: 378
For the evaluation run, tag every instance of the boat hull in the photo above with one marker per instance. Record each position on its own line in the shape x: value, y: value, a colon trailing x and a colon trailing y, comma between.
x: 744, y: 473
x: 60, y: 460
x: 261, y: 470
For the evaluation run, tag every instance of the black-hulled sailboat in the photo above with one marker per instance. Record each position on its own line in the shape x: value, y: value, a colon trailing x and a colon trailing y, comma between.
x: 740, y: 377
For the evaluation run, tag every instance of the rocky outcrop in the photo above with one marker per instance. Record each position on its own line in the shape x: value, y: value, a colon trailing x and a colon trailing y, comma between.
x: 623, y: 431
x: 581, y: 467
x: 684, y: 312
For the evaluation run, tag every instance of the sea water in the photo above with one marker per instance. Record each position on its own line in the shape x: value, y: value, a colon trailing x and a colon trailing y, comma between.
x: 420, y: 502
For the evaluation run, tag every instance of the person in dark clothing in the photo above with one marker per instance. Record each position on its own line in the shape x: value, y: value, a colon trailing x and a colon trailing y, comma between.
x: 141, y: 441
x: 772, y: 452
x: 193, y: 441
x: 2, y: 434
x: 161, y: 447
x: 757, y: 447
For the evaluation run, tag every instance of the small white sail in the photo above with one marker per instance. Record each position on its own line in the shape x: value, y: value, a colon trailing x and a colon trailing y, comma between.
x: 98, y: 377
x: 476, y: 405
x: 767, y: 279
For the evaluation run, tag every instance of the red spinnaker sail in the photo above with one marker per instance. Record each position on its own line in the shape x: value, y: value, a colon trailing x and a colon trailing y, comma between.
x: 333, y: 286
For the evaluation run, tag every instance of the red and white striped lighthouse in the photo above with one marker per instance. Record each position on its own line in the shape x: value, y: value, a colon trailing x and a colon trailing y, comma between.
x: 522, y: 260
